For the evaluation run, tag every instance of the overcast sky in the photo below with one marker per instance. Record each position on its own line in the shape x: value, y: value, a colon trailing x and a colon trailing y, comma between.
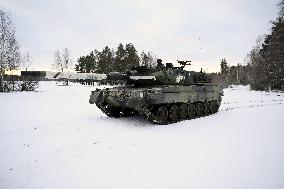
x: 204, y: 31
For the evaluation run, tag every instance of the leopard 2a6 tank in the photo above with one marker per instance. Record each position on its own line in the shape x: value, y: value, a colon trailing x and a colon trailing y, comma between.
x: 164, y: 95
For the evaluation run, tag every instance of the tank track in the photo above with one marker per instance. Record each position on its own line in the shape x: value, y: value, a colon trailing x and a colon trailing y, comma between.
x: 164, y: 114
x: 115, y: 112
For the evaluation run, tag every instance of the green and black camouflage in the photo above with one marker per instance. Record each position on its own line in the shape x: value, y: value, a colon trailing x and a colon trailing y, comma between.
x: 163, y: 95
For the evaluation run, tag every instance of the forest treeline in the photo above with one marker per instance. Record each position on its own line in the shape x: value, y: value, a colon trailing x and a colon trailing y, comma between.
x: 264, y: 69
x: 109, y: 60
x: 232, y: 75
x: 267, y: 57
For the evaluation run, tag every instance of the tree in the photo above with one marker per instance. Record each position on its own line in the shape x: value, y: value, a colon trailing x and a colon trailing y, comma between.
x: 120, y: 61
x: 27, y: 61
x: 267, y: 58
x: 9, y: 47
x: 63, y: 62
x: 257, y: 74
x: 88, y: 63
x: 224, y: 66
x: 152, y: 60
x: 58, y: 61
x: 236, y: 75
x: 131, y: 58
x: 273, y: 55
x: 233, y: 76
x: 148, y: 59
x: 66, y: 57
x: 27, y: 83
x: 281, y: 9
x: 105, y: 60
x: 144, y: 59
x: 108, y: 60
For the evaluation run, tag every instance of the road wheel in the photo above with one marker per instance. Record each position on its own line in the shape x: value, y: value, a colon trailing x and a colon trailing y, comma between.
x: 174, y: 114
x: 213, y: 106
x: 206, y: 108
x: 162, y: 115
x: 113, y: 111
x: 191, y: 111
x: 199, y: 109
x: 127, y: 112
x: 183, y: 111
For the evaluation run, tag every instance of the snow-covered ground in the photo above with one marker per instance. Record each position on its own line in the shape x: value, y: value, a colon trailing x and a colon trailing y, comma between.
x: 54, y: 138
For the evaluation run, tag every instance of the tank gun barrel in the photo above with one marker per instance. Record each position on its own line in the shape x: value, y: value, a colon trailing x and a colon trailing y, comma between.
x: 48, y: 75
x: 117, y: 76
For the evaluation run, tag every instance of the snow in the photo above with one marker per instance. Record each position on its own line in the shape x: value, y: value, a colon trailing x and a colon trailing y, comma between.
x: 54, y: 138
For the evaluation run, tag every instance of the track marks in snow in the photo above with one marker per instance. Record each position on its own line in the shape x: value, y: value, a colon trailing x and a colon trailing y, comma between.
x: 227, y: 106
x: 241, y: 97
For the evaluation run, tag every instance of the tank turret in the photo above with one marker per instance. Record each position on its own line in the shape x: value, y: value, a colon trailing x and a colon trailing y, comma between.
x: 141, y: 76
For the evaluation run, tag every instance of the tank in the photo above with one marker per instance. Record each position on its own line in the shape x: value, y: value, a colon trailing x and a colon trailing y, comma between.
x: 164, y: 95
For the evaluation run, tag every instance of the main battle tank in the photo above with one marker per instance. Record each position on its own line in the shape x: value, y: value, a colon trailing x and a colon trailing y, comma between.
x: 163, y: 95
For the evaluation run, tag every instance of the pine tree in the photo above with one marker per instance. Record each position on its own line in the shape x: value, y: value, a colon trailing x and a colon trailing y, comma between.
x: 88, y: 63
x: 224, y: 66
x: 267, y: 59
x: 105, y: 60
x: 273, y: 55
x: 120, y: 61
x: 108, y: 60
x: 132, y: 59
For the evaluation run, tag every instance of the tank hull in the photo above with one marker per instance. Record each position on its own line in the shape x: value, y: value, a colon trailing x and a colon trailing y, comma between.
x: 125, y: 101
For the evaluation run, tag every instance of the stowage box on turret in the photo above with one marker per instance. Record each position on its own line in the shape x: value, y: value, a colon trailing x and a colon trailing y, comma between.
x: 163, y: 95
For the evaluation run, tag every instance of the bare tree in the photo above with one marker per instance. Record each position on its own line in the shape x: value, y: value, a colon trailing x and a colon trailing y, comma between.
x: 27, y: 61
x: 152, y: 59
x: 9, y: 47
x: 149, y: 60
x: 57, y: 64
x: 67, y: 62
x: 63, y: 62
